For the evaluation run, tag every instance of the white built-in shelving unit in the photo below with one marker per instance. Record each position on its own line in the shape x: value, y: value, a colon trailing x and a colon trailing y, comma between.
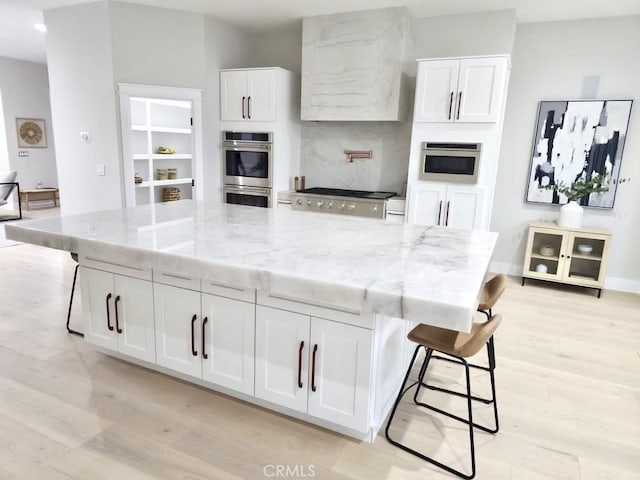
x: 151, y: 117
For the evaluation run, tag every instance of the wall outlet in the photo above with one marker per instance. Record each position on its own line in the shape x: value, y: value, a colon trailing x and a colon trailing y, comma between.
x: 23, y: 153
x: 100, y: 169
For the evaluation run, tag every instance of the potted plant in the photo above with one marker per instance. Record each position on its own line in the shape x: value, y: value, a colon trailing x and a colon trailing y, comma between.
x: 571, y: 213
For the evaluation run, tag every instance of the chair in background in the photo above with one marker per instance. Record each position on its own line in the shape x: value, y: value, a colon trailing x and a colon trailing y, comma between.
x: 458, y: 346
x: 7, y: 185
x: 74, y: 256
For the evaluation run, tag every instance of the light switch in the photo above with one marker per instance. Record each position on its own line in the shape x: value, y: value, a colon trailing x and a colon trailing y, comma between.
x: 100, y: 169
x: 23, y: 153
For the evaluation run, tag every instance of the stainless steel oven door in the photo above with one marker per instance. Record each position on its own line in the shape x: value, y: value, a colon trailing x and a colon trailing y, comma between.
x: 249, y: 165
x: 250, y: 196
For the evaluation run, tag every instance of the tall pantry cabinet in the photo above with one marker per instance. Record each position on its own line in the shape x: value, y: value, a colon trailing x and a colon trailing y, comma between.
x: 458, y: 100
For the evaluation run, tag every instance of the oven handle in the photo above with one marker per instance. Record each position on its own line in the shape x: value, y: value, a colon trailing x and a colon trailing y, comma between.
x: 248, y: 190
x: 249, y: 148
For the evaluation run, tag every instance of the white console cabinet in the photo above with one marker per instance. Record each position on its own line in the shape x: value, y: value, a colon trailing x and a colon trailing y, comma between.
x: 118, y: 313
x: 314, y: 365
x: 447, y: 205
x: 460, y: 90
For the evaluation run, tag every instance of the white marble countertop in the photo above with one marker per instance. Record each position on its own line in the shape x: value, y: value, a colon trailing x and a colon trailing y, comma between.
x: 428, y: 274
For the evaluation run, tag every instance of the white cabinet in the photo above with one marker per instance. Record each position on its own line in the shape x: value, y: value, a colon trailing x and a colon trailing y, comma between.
x: 447, y: 205
x: 152, y: 117
x: 314, y: 365
x: 460, y: 90
x: 205, y: 336
x: 118, y: 313
x: 248, y: 95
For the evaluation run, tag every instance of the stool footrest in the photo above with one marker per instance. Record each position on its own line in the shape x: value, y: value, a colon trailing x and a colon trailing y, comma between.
x: 486, y: 401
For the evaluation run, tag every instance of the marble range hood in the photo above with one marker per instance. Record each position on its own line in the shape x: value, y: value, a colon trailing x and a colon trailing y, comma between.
x: 354, y: 66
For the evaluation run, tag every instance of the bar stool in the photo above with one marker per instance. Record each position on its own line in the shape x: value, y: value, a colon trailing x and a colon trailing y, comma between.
x: 491, y: 293
x: 458, y: 346
x: 74, y: 256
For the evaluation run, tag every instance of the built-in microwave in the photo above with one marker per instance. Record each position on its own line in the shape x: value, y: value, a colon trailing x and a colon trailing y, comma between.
x: 450, y: 162
x: 246, y: 158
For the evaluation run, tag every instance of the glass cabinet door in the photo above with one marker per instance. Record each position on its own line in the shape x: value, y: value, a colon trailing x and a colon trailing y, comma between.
x: 585, y: 258
x: 546, y: 248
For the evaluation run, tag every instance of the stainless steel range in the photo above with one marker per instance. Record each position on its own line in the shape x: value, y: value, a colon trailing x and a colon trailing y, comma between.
x: 346, y: 202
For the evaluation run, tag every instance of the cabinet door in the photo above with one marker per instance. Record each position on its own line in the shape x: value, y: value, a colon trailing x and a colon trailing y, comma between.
x: 133, y: 305
x: 95, y: 287
x: 282, y: 352
x: 427, y: 203
x: 544, y: 257
x: 174, y: 310
x: 480, y: 89
x: 233, y: 88
x: 436, y: 91
x: 340, y: 358
x: 261, y: 95
x: 585, y: 259
x: 463, y: 207
x: 228, y: 342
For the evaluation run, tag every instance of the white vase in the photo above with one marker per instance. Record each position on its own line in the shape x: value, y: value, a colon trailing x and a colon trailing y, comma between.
x: 571, y: 215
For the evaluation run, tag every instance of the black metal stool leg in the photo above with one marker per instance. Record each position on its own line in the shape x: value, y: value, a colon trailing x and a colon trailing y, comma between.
x: 73, y: 288
x: 468, y: 421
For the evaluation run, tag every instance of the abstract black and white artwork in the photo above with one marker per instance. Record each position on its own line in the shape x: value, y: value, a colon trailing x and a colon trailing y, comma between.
x: 574, y: 140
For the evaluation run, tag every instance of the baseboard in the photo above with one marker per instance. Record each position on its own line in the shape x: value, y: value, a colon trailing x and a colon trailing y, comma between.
x: 610, y: 283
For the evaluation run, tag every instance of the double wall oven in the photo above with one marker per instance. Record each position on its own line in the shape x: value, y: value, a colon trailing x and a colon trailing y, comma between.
x: 248, y: 166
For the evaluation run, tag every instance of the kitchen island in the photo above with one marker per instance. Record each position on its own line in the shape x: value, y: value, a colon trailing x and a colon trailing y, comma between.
x: 303, y: 313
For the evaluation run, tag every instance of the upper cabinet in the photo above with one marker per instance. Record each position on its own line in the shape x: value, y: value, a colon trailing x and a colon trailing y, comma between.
x: 248, y: 95
x: 352, y: 66
x: 460, y: 90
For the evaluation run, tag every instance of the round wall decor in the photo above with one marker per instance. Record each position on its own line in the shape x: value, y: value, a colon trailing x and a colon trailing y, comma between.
x: 31, y: 133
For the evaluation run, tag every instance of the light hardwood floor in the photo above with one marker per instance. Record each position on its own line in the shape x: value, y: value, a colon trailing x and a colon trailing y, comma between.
x: 568, y: 381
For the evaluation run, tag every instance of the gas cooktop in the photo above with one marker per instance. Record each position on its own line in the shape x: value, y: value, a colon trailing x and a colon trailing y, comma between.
x: 345, y: 202
x: 337, y: 192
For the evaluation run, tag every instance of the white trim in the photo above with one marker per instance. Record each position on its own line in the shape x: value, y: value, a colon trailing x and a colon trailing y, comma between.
x: 171, y: 93
x: 610, y: 283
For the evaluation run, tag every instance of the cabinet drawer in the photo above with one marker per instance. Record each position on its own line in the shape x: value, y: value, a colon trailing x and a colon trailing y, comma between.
x: 338, y: 314
x: 229, y: 291
x: 176, y: 280
x: 115, y: 267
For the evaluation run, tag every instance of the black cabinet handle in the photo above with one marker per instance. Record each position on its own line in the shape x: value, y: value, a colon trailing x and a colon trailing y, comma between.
x: 300, y: 364
x: 459, y: 103
x: 243, y: 107
x: 439, y: 212
x: 313, y: 368
x: 204, y: 323
x: 115, y: 307
x: 249, y: 108
x: 450, y: 105
x: 446, y: 219
x: 194, y: 352
x: 108, y: 319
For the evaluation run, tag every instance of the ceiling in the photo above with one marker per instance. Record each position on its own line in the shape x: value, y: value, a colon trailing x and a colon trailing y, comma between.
x: 19, y: 39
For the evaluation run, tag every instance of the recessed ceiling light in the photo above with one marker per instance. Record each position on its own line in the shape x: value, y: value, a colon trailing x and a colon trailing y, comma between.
x: 41, y: 27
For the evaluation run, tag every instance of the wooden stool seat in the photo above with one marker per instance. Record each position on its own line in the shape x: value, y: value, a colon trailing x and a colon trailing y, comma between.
x: 451, y: 342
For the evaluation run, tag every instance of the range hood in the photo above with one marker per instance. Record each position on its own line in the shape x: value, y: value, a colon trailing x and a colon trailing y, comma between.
x: 354, y: 66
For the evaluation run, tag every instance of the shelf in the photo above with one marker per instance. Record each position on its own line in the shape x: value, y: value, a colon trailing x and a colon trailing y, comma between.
x: 144, y: 128
x: 582, y: 277
x: 586, y: 257
x: 154, y: 156
x: 544, y: 257
x: 164, y: 183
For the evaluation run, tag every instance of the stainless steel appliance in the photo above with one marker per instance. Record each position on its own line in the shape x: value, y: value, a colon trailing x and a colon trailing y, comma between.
x: 450, y: 162
x: 346, y: 202
x: 251, y: 196
x: 247, y: 158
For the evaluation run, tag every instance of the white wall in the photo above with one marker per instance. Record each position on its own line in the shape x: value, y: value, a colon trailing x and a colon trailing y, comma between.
x: 280, y: 48
x: 486, y: 33
x: 83, y: 99
x: 549, y: 62
x: 25, y: 93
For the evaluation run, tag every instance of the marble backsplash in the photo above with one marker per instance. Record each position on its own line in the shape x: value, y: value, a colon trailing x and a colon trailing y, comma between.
x: 324, y: 162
